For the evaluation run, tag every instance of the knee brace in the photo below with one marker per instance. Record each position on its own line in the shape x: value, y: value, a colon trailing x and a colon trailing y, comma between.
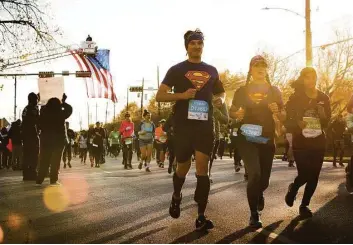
x: 202, y: 189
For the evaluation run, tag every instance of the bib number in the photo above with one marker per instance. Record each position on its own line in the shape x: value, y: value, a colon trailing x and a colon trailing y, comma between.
x: 128, y: 141
x: 235, y: 132
x: 198, y: 110
x: 313, y: 127
x: 253, y: 133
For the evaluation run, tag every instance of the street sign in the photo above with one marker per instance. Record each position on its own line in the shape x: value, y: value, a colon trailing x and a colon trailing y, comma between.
x: 135, y: 89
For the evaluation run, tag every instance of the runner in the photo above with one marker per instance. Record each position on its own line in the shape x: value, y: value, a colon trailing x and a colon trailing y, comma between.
x: 67, y: 154
x: 258, y: 107
x: 309, y: 113
x: 146, y: 135
x: 114, y: 142
x: 338, y: 128
x: 194, y: 83
x: 161, y: 143
x: 219, y: 117
x: 234, y: 126
x: 127, y: 134
x: 83, y: 144
x: 169, y: 128
x: 90, y: 137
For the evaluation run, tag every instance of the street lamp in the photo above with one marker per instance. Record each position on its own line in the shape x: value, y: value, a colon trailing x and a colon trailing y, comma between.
x: 308, y: 36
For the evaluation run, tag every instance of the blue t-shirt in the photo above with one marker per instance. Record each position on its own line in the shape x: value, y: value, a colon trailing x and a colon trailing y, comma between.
x: 200, y: 76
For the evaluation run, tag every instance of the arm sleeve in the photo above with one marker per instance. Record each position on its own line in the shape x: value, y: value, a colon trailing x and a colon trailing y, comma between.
x: 292, y: 119
x: 169, y: 78
x: 237, y: 101
x: 222, y: 114
x: 218, y: 87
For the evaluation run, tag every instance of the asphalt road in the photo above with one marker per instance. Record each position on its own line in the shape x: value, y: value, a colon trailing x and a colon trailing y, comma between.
x: 112, y: 205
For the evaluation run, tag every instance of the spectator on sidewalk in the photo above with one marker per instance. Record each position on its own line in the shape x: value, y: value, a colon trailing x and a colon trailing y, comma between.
x: 338, y: 128
x: 53, y: 138
x: 17, y: 149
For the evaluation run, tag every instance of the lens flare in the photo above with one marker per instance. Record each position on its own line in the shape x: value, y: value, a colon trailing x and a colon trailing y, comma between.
x: 15, y: 221
x: 56, y: 199
x: 77, y: 188
x: 1, y: 235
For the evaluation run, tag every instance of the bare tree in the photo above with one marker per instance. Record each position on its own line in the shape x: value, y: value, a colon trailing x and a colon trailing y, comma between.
x: 24, y: 26
x: 335, y: 70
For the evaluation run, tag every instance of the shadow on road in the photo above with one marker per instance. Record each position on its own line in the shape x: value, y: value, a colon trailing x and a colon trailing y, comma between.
x: 235, y: 236
x: 190, y: 237
x: 143, y: 235
x: 332, y: 223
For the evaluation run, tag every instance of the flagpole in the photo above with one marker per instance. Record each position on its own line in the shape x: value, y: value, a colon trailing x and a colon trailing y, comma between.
x: 159, y: 103
x: 88, y: 114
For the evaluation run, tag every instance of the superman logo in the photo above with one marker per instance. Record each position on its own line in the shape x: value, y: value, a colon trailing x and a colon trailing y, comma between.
x: 198, y: 78
x: 257, y: 97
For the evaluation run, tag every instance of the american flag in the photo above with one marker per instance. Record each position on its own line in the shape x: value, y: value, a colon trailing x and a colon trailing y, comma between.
x: 100, y: 85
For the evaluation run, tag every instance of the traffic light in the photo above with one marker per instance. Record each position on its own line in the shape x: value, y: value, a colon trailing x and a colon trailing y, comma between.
x: 83, y: 74
x: 45, y: 74
x: 136, y: 89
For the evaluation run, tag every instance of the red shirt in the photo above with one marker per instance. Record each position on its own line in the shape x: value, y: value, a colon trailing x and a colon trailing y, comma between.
x: 127, y: 129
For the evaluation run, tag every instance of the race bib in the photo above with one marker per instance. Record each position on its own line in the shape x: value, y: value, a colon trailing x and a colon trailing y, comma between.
x: 128, y: 141
x: 128, y: 128
x: 91, y: 141
x: 94, y: 145
x: 253, y: 133
x: 235, y: 132
x: 313, y: 127
x: 198, y: 110
x: 251, y: 130
x: 163, y: 139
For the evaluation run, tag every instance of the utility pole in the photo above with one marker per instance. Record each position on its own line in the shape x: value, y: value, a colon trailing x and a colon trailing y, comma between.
x: 15, y: 102
x: 143, y: 83
x: 308, y: 37
x: 96, y: 112
x: 127, y: 99
x: 114, y: 113
x: 87, y: 114
x: 159, y: 103
x: 106, y: 113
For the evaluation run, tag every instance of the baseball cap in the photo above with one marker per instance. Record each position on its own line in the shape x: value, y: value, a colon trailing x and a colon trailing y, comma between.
x: 257, y: 59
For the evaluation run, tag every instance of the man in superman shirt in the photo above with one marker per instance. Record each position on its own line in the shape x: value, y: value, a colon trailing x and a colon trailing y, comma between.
x: 197, y: 89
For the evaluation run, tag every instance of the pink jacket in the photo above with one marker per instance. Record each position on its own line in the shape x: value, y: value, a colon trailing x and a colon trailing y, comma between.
x: 126, y: 129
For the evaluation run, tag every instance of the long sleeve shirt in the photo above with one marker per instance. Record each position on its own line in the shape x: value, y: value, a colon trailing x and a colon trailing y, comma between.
x: 299, y: 106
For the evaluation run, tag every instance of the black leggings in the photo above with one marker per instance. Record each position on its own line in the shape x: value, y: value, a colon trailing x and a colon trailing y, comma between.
x: 127, y: 154
x: 258, y: 160
x: 309, y: 164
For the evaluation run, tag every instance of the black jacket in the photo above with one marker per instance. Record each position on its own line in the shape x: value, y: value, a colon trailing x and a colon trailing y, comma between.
x: 15, y: 133
x: 30, y: 119
x: 296, y: 107
x: 52, y: 124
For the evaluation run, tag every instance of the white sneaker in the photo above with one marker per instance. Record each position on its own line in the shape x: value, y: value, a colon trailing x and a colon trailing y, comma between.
x: 38, y: 185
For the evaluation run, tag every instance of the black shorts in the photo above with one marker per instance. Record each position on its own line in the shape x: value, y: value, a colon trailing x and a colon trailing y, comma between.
x: 161, y: 146
x: 193, y: 137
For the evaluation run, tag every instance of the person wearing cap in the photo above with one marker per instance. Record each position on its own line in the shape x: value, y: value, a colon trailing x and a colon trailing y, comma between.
x: 146, y: 134
x: 30, y: 134
x: 194, y: 84
x: 308, y: 115
x: 258, y: 108
x: 127, y: 133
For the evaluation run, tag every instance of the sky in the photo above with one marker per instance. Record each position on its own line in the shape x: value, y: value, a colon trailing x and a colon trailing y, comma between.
x: 144, y: 34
